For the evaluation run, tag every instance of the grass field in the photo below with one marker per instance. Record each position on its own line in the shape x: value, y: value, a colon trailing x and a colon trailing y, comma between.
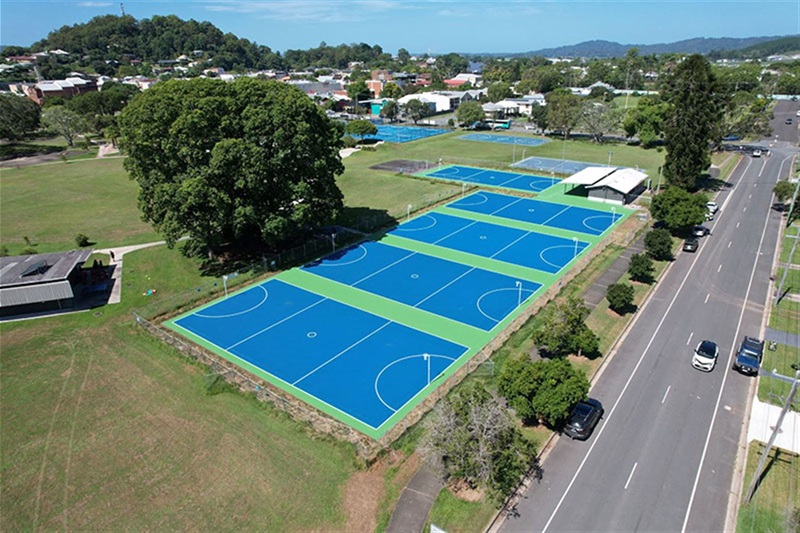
x: 781, y: 360
x: 775, y: 501
x: 97, y: 413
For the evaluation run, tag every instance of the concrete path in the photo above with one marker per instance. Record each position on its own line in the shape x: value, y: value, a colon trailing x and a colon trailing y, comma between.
x: 415, y: 502
x: 763, y: 417
x: 783, y: 337
x: 595, y: 294
x: 116, y: 262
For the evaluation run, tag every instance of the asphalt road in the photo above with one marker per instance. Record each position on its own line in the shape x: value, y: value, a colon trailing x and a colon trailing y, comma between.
x: 663, y: 457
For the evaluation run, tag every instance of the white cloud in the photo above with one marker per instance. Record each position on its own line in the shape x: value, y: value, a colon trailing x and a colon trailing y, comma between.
x: 94, y: 4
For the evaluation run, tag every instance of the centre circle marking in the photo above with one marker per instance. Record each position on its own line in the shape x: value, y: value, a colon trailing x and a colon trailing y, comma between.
x: 414, y: 276
x: 311, y: 334
x: 483, y: 237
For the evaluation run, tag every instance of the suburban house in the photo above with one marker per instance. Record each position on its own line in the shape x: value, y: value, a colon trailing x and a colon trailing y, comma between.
x: 64, y: 88
x: 444, y: 101
x: 464, y: 78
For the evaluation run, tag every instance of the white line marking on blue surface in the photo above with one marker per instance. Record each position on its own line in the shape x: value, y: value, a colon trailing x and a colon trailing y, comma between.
x: 281, y: 321
x: 554, y: 216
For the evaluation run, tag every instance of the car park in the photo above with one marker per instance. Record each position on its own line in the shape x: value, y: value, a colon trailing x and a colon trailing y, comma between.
x: 700, y: 231
x: 712, y: 206
x: 583, y: 417
x: 705, y: 356
x: 749, y: 355
x: 691, y: 244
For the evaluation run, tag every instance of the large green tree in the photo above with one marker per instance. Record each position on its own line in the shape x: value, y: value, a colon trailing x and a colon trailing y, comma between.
x: 678, y: 209
x: 65, y: 122
x: 391, y: 90
x: 416, y: 110
x: 499, y: 91
x: 18, y: 116
x: 469, y: 113
x: 563, y: 330
x: 248, y: 163
x: 695, y: 102
x: 360, y: 128
x: 599, y: 118
x: 563, y: 110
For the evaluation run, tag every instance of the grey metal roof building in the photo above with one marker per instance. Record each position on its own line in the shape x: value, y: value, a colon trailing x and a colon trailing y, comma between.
x: 41, y: 282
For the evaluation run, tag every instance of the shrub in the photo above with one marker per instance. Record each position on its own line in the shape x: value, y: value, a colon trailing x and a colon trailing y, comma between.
x: 641, y: 268
x: 3, y: 251
x: 658, y: 244
x: 349, y: 141
x: 620, y: 297
x: 81, y: 240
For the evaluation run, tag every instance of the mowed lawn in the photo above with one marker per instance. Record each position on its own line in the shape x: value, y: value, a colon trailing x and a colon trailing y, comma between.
x: 106, y: 428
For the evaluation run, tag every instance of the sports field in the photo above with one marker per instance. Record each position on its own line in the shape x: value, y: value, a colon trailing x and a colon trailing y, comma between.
x: 492, y: 178
x: 366, y: 333
x: 503, y: 139
x: 404, y: 134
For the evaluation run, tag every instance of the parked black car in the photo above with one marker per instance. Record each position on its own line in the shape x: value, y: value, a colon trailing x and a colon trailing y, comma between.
x: 583, y: 418
x: 700, y: 231
x: 748, y: 358
x: 690, y: 244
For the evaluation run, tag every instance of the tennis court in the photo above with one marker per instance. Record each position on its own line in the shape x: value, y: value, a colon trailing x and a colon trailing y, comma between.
x: 403, y: 134
x: 338, y: 358
x: 539, y: 251
x: 568, y: 217
x: 494, y: 178
x: 503, y: 139
x: 548, y: 164
x: 460, y: 292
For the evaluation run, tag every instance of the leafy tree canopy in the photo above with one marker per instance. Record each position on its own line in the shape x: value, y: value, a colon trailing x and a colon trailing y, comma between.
x: 658, y: 244
x: 249, y: 163
x: 469, y: 113
x: 563, y: 330
x: 783, y: 190
x: 620, y: 297
x: 416, y: 110
x: 64, y: 122
x: 18, y: 116
x: 360, y: 128
x: 641, y: 268
x: 678, y: 209
x: 563, y: 110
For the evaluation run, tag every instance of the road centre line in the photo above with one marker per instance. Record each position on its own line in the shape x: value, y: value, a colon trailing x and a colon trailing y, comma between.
x: 707, y: 295
x: 729, y: 243
x: 690, y: 338
x: 719, y: 268
x: 664, y: 399
x: 631, y: 475
x: 737, y: 224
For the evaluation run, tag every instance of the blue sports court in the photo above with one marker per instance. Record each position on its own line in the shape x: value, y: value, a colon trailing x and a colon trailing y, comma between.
x: 343, y: 358
x: 460, y: 292
x: 560, y: 166
x: 403, y: 134
x: 503, y: 139
x: 494, y: 178
x: 567, y: 217
x: 539, y: 251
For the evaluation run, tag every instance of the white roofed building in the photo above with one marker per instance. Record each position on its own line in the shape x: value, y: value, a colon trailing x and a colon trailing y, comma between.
x: 609, y: 184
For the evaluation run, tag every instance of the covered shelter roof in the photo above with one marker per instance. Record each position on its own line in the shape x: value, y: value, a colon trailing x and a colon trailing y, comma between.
x: 589, y: 175
x: 622, y: 180
x: 38, y: 278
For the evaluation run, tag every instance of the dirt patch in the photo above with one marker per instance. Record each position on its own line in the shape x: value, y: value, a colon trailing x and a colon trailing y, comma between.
x: 461, y: 490
x: 20, y: 162
x: 363, y: 494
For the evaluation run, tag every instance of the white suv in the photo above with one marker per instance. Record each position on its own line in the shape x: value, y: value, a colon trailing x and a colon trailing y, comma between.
x: 712, y: 207
x: 705, y: 356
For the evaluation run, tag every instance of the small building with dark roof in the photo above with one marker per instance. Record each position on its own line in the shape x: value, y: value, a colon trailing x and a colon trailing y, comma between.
x: 40, y: 283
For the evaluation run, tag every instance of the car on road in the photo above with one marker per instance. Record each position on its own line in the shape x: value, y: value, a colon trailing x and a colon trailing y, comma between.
x: 788, y: 120
x: 583, y: 418
x: 705, y: 356
x: 691, y: 244
x: 713, y: 207
x: 749, y: 355
x: 798, y: 113
x: 700, y: 231
x: 756, y: 153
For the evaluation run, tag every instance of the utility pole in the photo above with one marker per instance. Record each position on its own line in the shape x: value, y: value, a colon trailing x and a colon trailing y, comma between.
x: 122, y: 8
x: 757, y: 474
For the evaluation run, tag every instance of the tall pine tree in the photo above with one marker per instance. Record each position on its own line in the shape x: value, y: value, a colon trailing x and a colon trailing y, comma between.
x: 695, y: 100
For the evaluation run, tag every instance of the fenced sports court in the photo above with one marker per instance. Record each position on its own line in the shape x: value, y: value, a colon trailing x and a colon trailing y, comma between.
x: 547, y: 164
x: 503, y: 139
x: 493, y: 178
x: 365, y: 335
x: 403, y: 134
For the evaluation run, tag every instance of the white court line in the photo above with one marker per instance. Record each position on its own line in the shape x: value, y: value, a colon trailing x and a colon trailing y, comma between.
x: 359, y: 341
x: 284, y: 319
x: 390, y: 265
x: 440, y: 289
x: 554, y: 216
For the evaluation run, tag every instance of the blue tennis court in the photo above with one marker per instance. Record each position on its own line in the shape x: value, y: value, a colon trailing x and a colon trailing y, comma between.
x: 460, y: 292
x: 403, y: 134
x: 495, y: 178
x: 354, y: 362
x: 553, y: 165
x: 572, y: 218
x: 503, y: 139
x: 546, y: 253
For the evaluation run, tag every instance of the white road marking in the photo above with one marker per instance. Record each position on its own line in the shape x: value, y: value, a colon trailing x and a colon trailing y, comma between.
x: 720, y: 268
x: 689, y: 339
x: 631, y: 475
x: 743, y: 210
x: 750, y: 196
x: 729, y: 244
x: 725, y: 376
x: 664, y: 399
x: 707, y: 295
x: 737, y: 224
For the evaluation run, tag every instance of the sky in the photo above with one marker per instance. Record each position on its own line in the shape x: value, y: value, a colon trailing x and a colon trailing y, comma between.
x: 430, y: 26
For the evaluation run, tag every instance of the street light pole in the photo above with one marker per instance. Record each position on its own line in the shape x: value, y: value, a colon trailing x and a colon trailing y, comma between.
x: 609, y: 158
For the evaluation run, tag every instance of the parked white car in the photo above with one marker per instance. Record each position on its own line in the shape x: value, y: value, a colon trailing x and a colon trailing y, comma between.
x: 712, y: 207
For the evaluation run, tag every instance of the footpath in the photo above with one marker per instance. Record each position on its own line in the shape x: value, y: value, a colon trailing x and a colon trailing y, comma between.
x: 417, y: 498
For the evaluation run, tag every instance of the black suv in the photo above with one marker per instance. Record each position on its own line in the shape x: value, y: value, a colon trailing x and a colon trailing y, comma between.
x: 749, y: 356
x: 583, y: 418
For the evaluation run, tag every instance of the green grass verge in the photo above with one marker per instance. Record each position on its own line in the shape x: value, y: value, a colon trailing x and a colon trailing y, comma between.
x: 456, y: 515
x: 781, y: 360
x: 791, y: 281
x: 785, y: 316
x: 97, y: 412
x: 786, y: 246
x: 776, y: 498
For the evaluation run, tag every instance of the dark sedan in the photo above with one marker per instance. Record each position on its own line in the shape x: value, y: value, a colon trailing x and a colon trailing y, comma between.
x: 583, y: 418
x: 691, y: 244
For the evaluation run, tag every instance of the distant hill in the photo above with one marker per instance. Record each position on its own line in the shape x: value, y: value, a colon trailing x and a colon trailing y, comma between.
x: 603, y: 49
x: 783, y: 45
